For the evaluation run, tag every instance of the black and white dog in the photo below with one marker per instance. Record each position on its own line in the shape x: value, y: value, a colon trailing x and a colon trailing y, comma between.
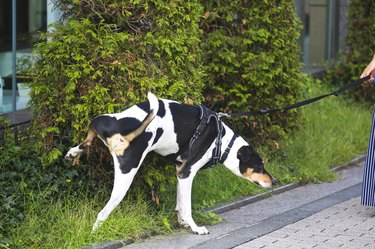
x: 167, y: 127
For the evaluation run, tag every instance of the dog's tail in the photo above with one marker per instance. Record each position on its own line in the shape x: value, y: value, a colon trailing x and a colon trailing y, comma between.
x: 154, y: 103
x: 154, y: 108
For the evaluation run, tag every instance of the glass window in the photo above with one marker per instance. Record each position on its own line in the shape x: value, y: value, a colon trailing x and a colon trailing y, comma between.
x: 31, y: 18
x: 324, y: 26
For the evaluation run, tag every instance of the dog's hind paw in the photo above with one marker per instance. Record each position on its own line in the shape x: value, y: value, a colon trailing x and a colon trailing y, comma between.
x: 201, y: 230
x: 96, y: 225
x: 73, y: 154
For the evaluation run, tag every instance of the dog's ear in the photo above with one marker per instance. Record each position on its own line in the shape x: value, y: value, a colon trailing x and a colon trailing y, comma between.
x: 249, y: 157
x: 244, y: 153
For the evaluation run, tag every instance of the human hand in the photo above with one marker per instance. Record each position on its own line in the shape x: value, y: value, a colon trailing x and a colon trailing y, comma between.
x: 369, y: 70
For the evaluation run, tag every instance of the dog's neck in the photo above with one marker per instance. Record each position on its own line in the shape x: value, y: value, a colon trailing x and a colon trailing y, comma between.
x: 231, y: 161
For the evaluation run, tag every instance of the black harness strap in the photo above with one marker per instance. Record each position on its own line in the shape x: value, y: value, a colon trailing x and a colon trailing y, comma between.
x: 206, y: 116
x: 227, y: 150
x: 203, y: 123
x: 216, y: 152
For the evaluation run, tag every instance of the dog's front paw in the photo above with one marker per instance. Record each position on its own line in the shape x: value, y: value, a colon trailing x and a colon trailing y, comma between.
x: 201, y: 230
x: 181, y: 221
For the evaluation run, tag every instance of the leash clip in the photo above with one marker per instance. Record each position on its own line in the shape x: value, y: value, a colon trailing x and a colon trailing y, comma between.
x: 222, y: 114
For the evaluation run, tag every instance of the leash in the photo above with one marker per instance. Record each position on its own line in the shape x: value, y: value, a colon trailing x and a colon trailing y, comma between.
x: 206, y: 115
x: 299, y: 104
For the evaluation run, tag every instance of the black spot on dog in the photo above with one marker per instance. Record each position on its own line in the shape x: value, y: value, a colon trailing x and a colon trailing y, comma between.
x: 161, y: 112
x: 145, y: 106
x: 159, y: 132
x: 107, y: 126
x: 133, y: 154
x: 185, y: 120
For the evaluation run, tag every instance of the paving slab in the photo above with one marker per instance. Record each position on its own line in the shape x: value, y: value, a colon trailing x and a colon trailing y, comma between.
x: 344, y: 225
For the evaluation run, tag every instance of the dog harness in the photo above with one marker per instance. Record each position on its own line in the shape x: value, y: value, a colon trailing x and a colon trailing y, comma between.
x: 206, y: 115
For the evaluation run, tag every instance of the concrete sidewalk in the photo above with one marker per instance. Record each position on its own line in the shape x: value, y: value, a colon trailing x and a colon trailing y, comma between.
x: 326, y: 215
x: 345, y: 225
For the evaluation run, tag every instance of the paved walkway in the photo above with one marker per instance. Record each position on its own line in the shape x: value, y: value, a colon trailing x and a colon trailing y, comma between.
x: 326, y: 215
x: 345, y: 225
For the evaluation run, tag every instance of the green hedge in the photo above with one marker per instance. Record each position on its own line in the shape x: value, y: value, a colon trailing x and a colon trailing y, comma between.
x: 251, y: 57
x: 106, y: 57
x: 232, y: 55
x: 360, y: 48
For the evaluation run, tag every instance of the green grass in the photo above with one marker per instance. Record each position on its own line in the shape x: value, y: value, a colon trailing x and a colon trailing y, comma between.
x: 67, y: 223
x: 335, y: 131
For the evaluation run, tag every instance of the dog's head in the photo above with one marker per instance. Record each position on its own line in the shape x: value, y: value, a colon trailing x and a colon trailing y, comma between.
x: 251, y: 167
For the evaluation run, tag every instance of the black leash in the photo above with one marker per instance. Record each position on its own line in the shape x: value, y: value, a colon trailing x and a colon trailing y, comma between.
x: 206, y: 115
x: 299, y: 104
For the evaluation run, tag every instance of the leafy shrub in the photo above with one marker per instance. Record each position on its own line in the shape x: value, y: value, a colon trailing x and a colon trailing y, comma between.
x: 22, y: 177
x: 252, y: 62
x: 360, y: 48
x: 107, y: 55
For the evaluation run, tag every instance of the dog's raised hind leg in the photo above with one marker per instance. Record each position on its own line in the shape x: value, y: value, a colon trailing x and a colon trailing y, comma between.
x: 76, y: 151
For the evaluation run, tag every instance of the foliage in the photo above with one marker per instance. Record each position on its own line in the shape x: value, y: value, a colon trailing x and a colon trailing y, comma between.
x: 24, y: 65
x: 360, y: 48
x: 66, y: 222
x: 105, y: 57
x: 22, y: 178
x: 108, y: 57
x: 252, y: 62
x: 335, y: 130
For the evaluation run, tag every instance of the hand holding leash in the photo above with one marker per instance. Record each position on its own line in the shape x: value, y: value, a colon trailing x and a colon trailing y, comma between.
x: 369, y: 71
